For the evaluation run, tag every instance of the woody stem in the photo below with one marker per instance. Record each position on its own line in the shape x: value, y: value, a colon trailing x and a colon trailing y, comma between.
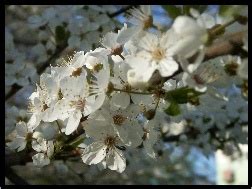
x: 133, y: 92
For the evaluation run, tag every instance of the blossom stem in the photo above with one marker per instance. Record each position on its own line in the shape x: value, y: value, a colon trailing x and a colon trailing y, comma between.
x: 220, y: 28
x: 122, y: 56
x: 78, y: 140
x: 157, y: 104
x: 59, y: 127
x: 134, y: 92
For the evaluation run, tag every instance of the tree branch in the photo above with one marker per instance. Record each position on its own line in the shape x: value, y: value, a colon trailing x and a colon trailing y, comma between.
x: 229, y: 45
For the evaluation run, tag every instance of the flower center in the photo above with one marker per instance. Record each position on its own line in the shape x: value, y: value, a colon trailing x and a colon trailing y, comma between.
x: 97, y: 67
x: 77, y: 72
x: 158, y: 54
x: 79, y: 104
x: 198, y: 79
x: 31, y: 107
x: 44, y: 107
x: 119, y: 119
x: 148, y: 22
x: 60, y: 95
x: 110, y: 141
x: 231, y: 69
x: 117, y: 50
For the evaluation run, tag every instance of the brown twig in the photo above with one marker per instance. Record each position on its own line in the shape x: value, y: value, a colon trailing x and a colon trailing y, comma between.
x: 227, y: 46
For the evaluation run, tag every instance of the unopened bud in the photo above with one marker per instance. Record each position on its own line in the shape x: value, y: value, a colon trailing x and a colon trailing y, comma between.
x: 150, y: 114
x: 241, y: 19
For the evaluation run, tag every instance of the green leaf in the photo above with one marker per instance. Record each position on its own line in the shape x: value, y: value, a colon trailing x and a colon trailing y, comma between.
x: 225, y: 10
x: 173, y: 11
x: 77, y: 141
x: 173, y: 109
x: 181, y: 95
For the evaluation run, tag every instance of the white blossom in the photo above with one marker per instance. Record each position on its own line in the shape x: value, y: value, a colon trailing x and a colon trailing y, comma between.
x: 104, y: 149
x: 20, y: 141
x: 45, y: 151
x: 154, y: 53
x: 150, y: 138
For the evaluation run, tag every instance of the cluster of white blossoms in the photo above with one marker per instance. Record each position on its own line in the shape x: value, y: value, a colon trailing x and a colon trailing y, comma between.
x: 105, y: 93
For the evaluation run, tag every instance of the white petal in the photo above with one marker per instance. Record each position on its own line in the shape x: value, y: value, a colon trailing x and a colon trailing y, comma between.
x: 131, y: 135
x: 109, y: 40
x: 50, y: 148
x: 167, y: 67
x: 120, y: 100
x: 98, y: 129
x: 73, y: 87
x: 16, y: 144
x: 21, y: 129
x: 146, y: 9
x: 148, y: 147
x: 102, y: 165
x: 186, y: 46
x: 78, y: 59
x: 22, y: 146
x: 61, y: 111
x: 115, y: 160
x: 49, y: 115
x: 39, y: 145
x: 169, y: 85
x: 126, y: 34
x: 94, y: 153
x: 141, y: 99
x: 139, y: 80
x: 94, y: 104
x: 184, y: 25
x: 149, y: 42
x: 40, y: 160
x: 73, y: 122
x: 206, y: 20
x: 34, y: 121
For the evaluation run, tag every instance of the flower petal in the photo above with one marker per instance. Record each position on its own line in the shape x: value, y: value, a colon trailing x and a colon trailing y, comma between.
x: 115, y: 160
x: 167, y: 67
x: 120, y: 100
x: 94, y: 153
x: 73, y: 122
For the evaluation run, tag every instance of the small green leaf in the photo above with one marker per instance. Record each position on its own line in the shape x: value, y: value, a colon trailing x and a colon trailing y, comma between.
x: 181, y: 95
x: 173, y: 11
x: 173, y: 109
x: 77, y: 141
x: 225, y: 10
